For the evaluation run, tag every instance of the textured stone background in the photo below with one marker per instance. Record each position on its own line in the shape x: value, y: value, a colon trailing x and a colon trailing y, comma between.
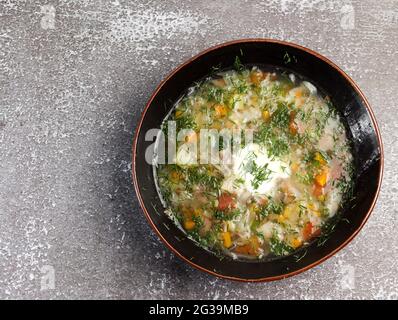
x: 74, y: 78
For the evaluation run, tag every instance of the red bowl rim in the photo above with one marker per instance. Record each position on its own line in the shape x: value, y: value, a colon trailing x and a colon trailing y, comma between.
x: 288, y: 44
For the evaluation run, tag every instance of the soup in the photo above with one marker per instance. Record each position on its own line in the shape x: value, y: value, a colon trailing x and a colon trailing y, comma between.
x: 272, y: 189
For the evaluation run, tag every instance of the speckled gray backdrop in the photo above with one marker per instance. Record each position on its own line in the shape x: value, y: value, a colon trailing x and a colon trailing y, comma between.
x: 75, y: 76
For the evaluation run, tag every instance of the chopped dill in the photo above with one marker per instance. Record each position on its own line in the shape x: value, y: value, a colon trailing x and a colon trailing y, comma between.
x: 299, y: 257
x: 238, y: 64
x: 278, y: 247
x: 215, y: 94
x: 288, y: 59
x: 271, y: 207
x: 226, y: 216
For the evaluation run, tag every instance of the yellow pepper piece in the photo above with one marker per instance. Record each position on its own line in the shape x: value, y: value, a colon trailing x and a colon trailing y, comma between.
x: 198, y: 212
x: 296, y: 242
x: 221, y: 110
x: 288, y: 211
x: 320, y: 158
x: 227, y: 239
x: 281, y: 218
x: 189, y: 225
x: 266, y: 115
x: 317, y: 213
x: 178, y: 113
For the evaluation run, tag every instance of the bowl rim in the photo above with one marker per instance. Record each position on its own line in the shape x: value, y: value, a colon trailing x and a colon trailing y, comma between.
x: 288, y: 44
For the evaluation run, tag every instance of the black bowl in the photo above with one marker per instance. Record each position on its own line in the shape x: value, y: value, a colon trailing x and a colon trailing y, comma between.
x: 354, y: 110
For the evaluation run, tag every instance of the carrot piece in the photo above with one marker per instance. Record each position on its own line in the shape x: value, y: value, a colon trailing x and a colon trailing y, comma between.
x: 293, y: 128
x: 250, y: 249
x: 225, y: 201
x: 316, y: 233
x: 321, y: 178
x: 245, y: 249
x: 292, y: 124
x: 255, y: 245
x: 298, y: 93
x: 189, y: 225
x: 317, y: 191
x: 310, y: 232
x: 307, y: 231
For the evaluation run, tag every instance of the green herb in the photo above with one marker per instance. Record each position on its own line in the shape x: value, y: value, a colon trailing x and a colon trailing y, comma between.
x: 303, y: 115
x: 238, y: 64
x: 260, y: 174
x: 215, y: 94
x: 167, y: 193
x: 278, y: 247
x: 302, y: 139
x: 221, y: 145
x: 226, y: 216
x: 327, y: 229
x: 281, y: 117
x: 201, y: 176
x: 275, y: 135
x: 346, y: 185
x: 271, y: 207
x: 299, y: 257
x: 185, y: 121
x: 234, y: 101
x: 325, y: 212
x: 304, y: 178
x: 238, y: 182
x: 302, y: 210
x: 210, y: 239
x: 215, y: 69
x: 277, y: 143
x: 287, y: 59
x: 240, y: 86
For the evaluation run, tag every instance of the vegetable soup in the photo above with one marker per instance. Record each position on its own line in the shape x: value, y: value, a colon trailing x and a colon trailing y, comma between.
x: 267, y: 195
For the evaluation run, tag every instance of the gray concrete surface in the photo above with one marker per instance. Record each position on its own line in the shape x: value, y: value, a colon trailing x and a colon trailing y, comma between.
x: 74, y: 78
